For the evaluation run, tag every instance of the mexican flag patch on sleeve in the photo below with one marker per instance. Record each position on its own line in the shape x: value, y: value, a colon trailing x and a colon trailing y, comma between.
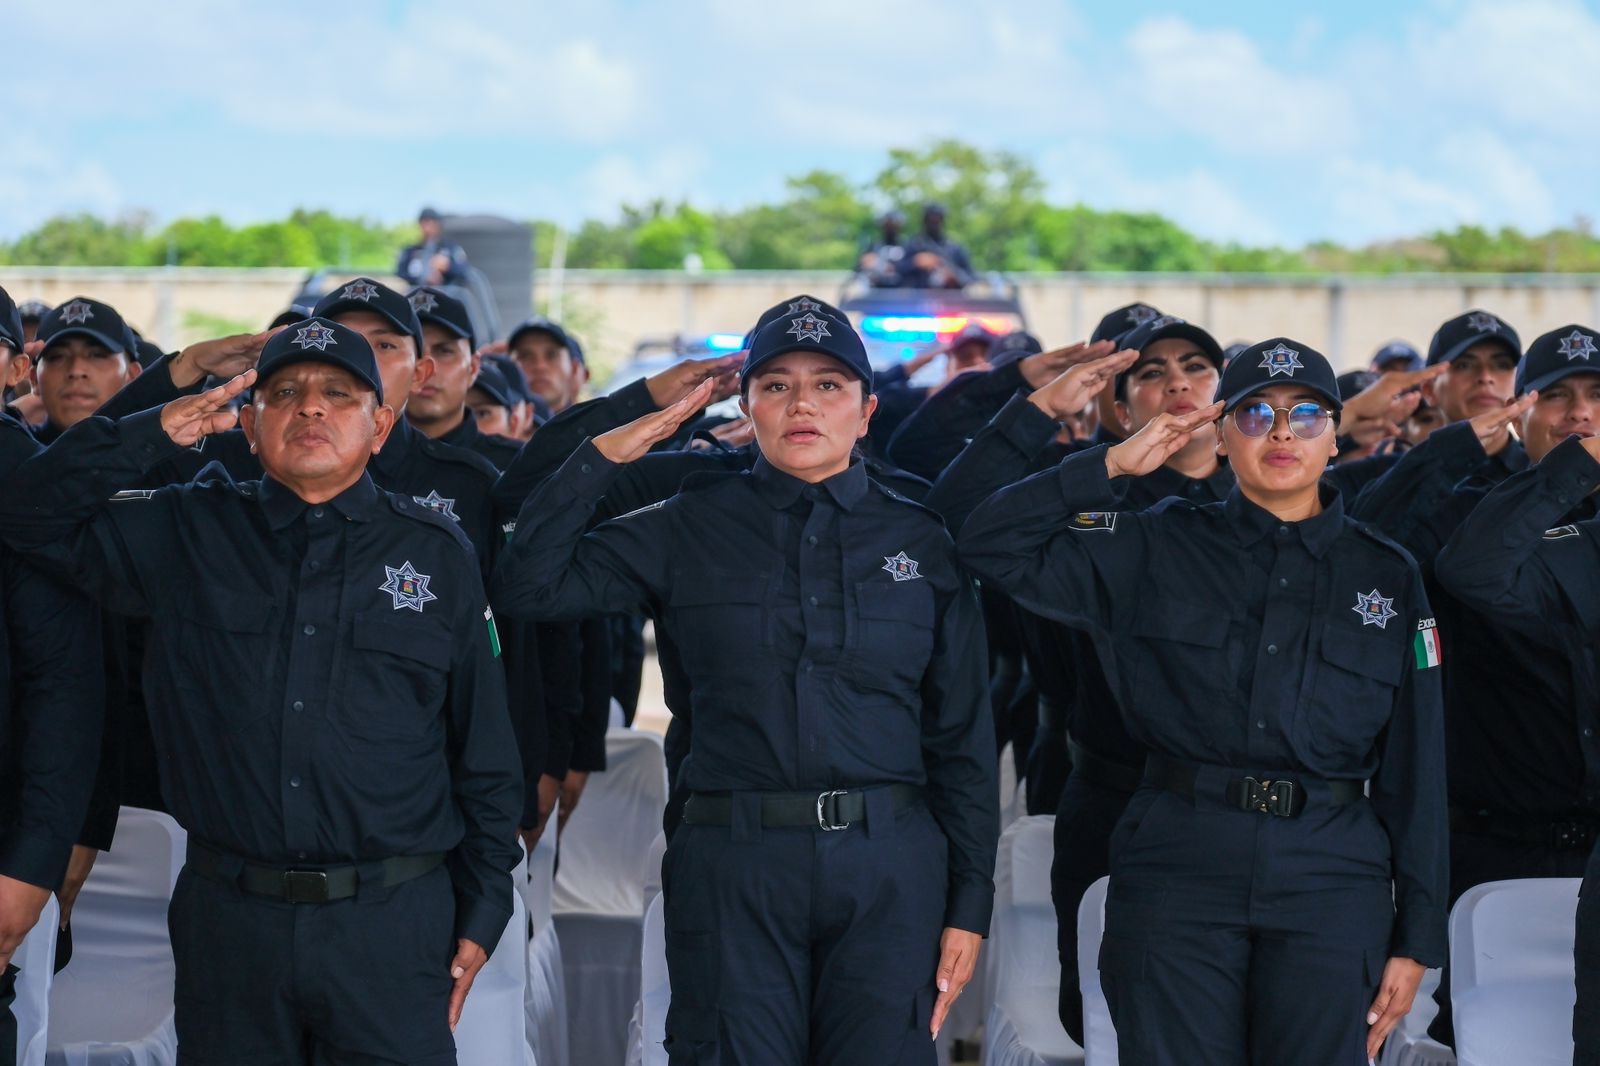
x: 1429, y: 652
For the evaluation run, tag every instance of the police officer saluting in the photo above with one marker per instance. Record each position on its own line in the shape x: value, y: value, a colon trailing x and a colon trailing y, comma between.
x: 842, y: 742
x: 323, y: 675
x: 1261, y: 909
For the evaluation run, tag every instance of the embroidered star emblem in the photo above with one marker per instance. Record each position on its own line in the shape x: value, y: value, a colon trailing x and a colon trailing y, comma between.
x: 1139, y: 314
x: 1483, y: 322
x: 1281, y: 360
x: 1375, y: 610
x: 803, y: 306
x: 76, y: 312
x: 316, y: 335
x: 900, y: 567
x: 443, y: 504
x: 808, y: 327
x: 1164, y: 321
x: 409, y: 588
x: 1577, y: 345
x: 423, y: 301
x: 361, y: 289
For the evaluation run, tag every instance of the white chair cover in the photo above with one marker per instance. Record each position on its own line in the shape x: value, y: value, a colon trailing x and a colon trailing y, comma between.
x: 493, y: 1029
x: 652, y: 867
x: 1099, y: 1034
x: 599, y: 894
x: 112, y: 1005
x: 649, y: 1027
x: 35, y: 960
x: 546, y: 1002
x: 1023, y: 1027
x: 1409, y: 1044
x: 1013, y: 803
x: 1511, y: 980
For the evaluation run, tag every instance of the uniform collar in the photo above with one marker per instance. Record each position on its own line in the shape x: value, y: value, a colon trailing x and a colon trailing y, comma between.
x: 283, y: 506
x: 464, y: 434
x: 1253, y: 523
x: 781, y: 490
x: 1514, y: 457
x: 1170, y: 482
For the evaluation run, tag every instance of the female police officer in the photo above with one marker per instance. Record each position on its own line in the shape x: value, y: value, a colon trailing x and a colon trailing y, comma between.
x: 1265, y: 651
x: 842, y: 745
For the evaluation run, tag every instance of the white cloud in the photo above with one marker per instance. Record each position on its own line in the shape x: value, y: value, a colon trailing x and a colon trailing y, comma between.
x: 1373, y: 200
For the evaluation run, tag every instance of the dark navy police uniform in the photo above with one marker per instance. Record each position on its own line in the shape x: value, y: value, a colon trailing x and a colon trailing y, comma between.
x: 324, y: 680
x: 833, y: 654
x: 1270, y: 668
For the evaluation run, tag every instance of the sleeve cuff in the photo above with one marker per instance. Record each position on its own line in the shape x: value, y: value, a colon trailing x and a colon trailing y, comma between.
x: 587, y: 473
x: 36, y: 859
x: 481, y: 922
x: 633, y: 400
x: 1570, y: 473
x: 1027, y: 428
x: 145, y: 440
x: 1084, y: 483
x: 1423, y: 941
x: 970, y: 907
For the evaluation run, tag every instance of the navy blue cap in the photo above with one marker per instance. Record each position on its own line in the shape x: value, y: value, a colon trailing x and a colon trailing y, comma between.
x: 428, y: 214
x: 515, y: 378
x: 778, y: 310
x: 289, y: 316
x: 1231, y: 352
x: 320, y: 340
x: 541, y: 324
x: 364, y: 294
x: 809, y: 325
x: 1167, y: 327
x: 1279, y: 361
x: 146, y: 352
x: 1397, y: 352
x: 443, y: 310
x: 1463, y: 331
x: 10, y: 322
x: 1122, y: 321
x: 1010, y: 347
x: 1352, y: 382
x: 84, y: 317
x: 1571, y: 349
x: 491, y: 380
x: 33, y: 310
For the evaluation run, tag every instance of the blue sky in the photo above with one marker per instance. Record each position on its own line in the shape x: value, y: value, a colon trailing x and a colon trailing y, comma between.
x: 1252, y: 121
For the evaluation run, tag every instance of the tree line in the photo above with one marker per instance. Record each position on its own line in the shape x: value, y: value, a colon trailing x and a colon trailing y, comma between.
x: 996, y: 203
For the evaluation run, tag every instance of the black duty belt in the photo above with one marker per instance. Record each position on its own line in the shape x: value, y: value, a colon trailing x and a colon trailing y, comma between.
x: 1098, y: 770
x: 1573, y: 834
x: 1282, y: 797
x: 829, y: 811
x: 320, y: 884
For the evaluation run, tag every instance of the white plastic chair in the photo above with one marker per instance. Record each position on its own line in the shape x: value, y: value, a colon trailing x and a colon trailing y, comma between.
x: 599, y: 894
x: 493, y: 1029
x: 1024, y: 1028
x: 546, y: 999
x: 35, y: 961
x: 1511, y: 965
x: 112, y: 1005
x: 1013, y: 799
x: 1409, y: 1044
x: 648, y: 1030
x: 1099, y: 1033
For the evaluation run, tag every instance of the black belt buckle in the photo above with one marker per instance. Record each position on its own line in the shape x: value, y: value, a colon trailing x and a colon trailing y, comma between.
x: 1572, y: 836
x: 1268, y: 797
x: 827, y: 811
x: 305, y: 886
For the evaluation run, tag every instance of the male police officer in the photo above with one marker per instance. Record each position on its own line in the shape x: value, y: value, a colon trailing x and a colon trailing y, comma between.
x: 324, y: 677
x: 50, y: 715
x: 936, y: 261
x: 552, y: 361
x: 438, y: 407
x: 434, y: 260
x: 86, y: 359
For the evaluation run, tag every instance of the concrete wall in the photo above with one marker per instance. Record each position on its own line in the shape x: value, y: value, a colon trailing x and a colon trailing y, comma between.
x: 1346, y: 317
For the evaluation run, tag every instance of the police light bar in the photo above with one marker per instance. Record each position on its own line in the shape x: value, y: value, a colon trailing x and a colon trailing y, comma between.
x: 931, y: 327
x: 725, y: 342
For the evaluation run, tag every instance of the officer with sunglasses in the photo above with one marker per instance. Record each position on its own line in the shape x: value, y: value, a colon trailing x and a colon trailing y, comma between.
x: 1275, y: 658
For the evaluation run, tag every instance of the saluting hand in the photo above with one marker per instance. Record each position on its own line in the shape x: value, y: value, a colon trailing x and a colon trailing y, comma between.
x: 189, y: 418
x: 1039, y: 370
x: 1162, y: 437
x: 1071, y: 391
x: 958, y: 958
x: 1389, y: 399
x: 464, y: 970
x: 671, y: 384
x: 1401, y: 976
x: 221, y: 358
x: 627, y: 443
x: 1492, y: 426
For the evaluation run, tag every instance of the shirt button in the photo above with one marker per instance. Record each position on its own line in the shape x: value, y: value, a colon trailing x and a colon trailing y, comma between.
x: 315, y: 565
x: 316, y: 512
x: 812, y: 600
x: 309, y: 630
x: 299, y: 854
x: 298, y: 705
x: 1283, y: 531
x: 1261, y: 723
x: 585, y: 468
x: 1283, y: 582
x: 1588, y: 732
x: 1272, y: 649
x: 294, y: 782
x: 812, y: 540
x: 808, y: 665
x: 1562, y: 498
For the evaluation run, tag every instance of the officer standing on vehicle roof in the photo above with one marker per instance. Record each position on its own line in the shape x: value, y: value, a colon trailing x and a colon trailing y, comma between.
x: 935, y: 260
x: 435, y: 259
x: 842, y: 745
x: 325, y: 681
x: 1262, y: 650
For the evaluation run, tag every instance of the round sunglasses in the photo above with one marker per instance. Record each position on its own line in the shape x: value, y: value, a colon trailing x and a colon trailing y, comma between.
x: 1306, y: 420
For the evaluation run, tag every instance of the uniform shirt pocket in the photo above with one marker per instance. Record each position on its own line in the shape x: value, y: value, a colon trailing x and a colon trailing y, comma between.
x: 396, y: 673
x: 1183, y: 658
x: 222, y: 634
x: 721, y: 622
x: 1350, y: 692
x: 891, y: 638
